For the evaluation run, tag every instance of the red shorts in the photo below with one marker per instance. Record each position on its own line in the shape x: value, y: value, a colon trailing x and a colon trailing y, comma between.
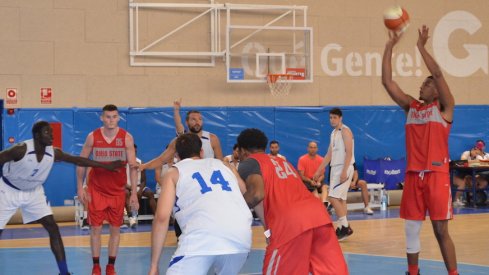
x: 103, y: 207
x: 431, y: 192
x: 315, y: 251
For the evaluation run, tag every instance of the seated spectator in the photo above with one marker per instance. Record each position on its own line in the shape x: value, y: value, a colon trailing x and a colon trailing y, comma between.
x: 307, y: 166
x: 356, y: 184
x: 464, y: 179
x: 142, y: 190
x: 275, y: 149
x: 233, y: 159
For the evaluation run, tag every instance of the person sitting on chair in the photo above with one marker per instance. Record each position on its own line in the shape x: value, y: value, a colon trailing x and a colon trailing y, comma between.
x: 357, y: 184
x: 463, y: 179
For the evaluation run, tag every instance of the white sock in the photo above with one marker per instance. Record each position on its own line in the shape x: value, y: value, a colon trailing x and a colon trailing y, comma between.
x: 85, y: 214
x: 342, y: 221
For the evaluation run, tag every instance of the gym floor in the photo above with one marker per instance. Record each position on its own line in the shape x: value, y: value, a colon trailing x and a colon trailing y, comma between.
x: 377, y: 246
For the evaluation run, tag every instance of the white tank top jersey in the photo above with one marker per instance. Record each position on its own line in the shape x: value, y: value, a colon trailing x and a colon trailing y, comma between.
x: 210, y: 209
x: 28, y: 173
x: 338, y: 147
x: 138, y: 182
x: 206, y: 145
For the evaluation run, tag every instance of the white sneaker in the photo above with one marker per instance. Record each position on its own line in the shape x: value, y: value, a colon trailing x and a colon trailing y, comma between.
x: 124, y: 226
x: 367, y: 210
x: 458, y: 203
x: 133, y: 222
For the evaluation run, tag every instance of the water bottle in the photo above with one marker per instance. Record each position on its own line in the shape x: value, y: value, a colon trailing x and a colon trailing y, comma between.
x: 383, y: 203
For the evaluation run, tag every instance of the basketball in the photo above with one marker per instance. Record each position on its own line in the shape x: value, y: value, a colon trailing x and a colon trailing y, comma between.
x: 396, y: 19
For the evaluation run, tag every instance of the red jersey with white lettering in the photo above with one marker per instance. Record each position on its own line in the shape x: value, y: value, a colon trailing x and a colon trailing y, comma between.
x: 102, y: 180
x: 426, y: 138
x: 289, y: 208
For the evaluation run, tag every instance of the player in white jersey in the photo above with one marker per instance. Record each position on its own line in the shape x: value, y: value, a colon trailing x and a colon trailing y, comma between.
x: 341, y: 157
x: 211, y: 145
x: 211, y: 211
x: 194, y: 121
x: 26, y: 166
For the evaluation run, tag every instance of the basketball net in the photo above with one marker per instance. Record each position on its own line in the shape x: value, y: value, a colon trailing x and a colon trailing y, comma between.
x: 279, y: 84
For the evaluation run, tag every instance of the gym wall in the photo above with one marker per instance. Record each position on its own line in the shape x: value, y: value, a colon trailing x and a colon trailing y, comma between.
x: 80, y: 49
x: 378, y: 132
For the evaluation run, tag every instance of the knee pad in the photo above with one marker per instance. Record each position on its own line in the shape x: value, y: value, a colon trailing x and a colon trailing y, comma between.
x: 412, y: 229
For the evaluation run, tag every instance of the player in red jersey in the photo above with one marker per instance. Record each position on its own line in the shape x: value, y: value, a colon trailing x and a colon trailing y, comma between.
x: 300, y: 232
x: 106, y: 190
x: 427, y: 183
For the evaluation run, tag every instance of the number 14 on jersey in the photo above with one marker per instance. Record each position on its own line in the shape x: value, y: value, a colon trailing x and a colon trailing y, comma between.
x: 216, y: 178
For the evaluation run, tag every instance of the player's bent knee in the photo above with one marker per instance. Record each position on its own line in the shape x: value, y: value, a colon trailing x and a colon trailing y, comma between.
x: 412, y: 229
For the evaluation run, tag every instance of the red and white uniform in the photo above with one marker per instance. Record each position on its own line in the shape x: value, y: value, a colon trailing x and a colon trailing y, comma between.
x: 301, y: 230
x: 427, y: 184
x: 107, y: 188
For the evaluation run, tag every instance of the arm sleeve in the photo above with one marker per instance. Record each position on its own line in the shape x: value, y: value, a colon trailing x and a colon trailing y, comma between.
x: 248, y: 167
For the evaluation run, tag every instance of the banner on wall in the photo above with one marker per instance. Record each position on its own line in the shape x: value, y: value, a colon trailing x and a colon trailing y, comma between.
x: 46, y: 95
x: 57, y: 134
x: 11, y: 96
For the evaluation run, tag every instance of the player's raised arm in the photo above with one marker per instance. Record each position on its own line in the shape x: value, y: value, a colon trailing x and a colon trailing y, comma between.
x: 177, y: 118
x: 446, y: 98
x: 394, y: 91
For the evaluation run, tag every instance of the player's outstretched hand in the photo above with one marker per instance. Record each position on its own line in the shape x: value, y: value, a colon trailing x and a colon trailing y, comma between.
x: 394, y: 37
x: 423, y: 36
x: 177, y: 103
x: 140, y: 166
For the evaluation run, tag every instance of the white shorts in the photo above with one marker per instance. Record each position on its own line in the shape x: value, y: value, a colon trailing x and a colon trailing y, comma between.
x: 32, y: 203
x: 227, y: 264
x: 339, y: 189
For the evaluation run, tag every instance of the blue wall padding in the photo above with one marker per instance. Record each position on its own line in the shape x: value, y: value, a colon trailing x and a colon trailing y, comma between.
x: 378, y: 132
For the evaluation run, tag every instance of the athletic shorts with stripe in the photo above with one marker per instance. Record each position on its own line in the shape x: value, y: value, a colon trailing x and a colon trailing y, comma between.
x: 339, y: 189
x: 315, y: 251
x: 426, y: 191
x: 226, y: 264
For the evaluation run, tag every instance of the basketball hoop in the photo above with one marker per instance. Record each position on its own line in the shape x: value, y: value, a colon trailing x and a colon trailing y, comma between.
x: 279, y: 84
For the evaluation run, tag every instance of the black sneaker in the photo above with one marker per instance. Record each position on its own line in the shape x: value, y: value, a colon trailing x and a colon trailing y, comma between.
x: 344, y: 233
x: 338, y: 232
x: 85, y: 225
x: 407, y: 272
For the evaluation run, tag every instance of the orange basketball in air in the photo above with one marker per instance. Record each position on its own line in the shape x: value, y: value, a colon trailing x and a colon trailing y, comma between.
x: 396, y: 19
